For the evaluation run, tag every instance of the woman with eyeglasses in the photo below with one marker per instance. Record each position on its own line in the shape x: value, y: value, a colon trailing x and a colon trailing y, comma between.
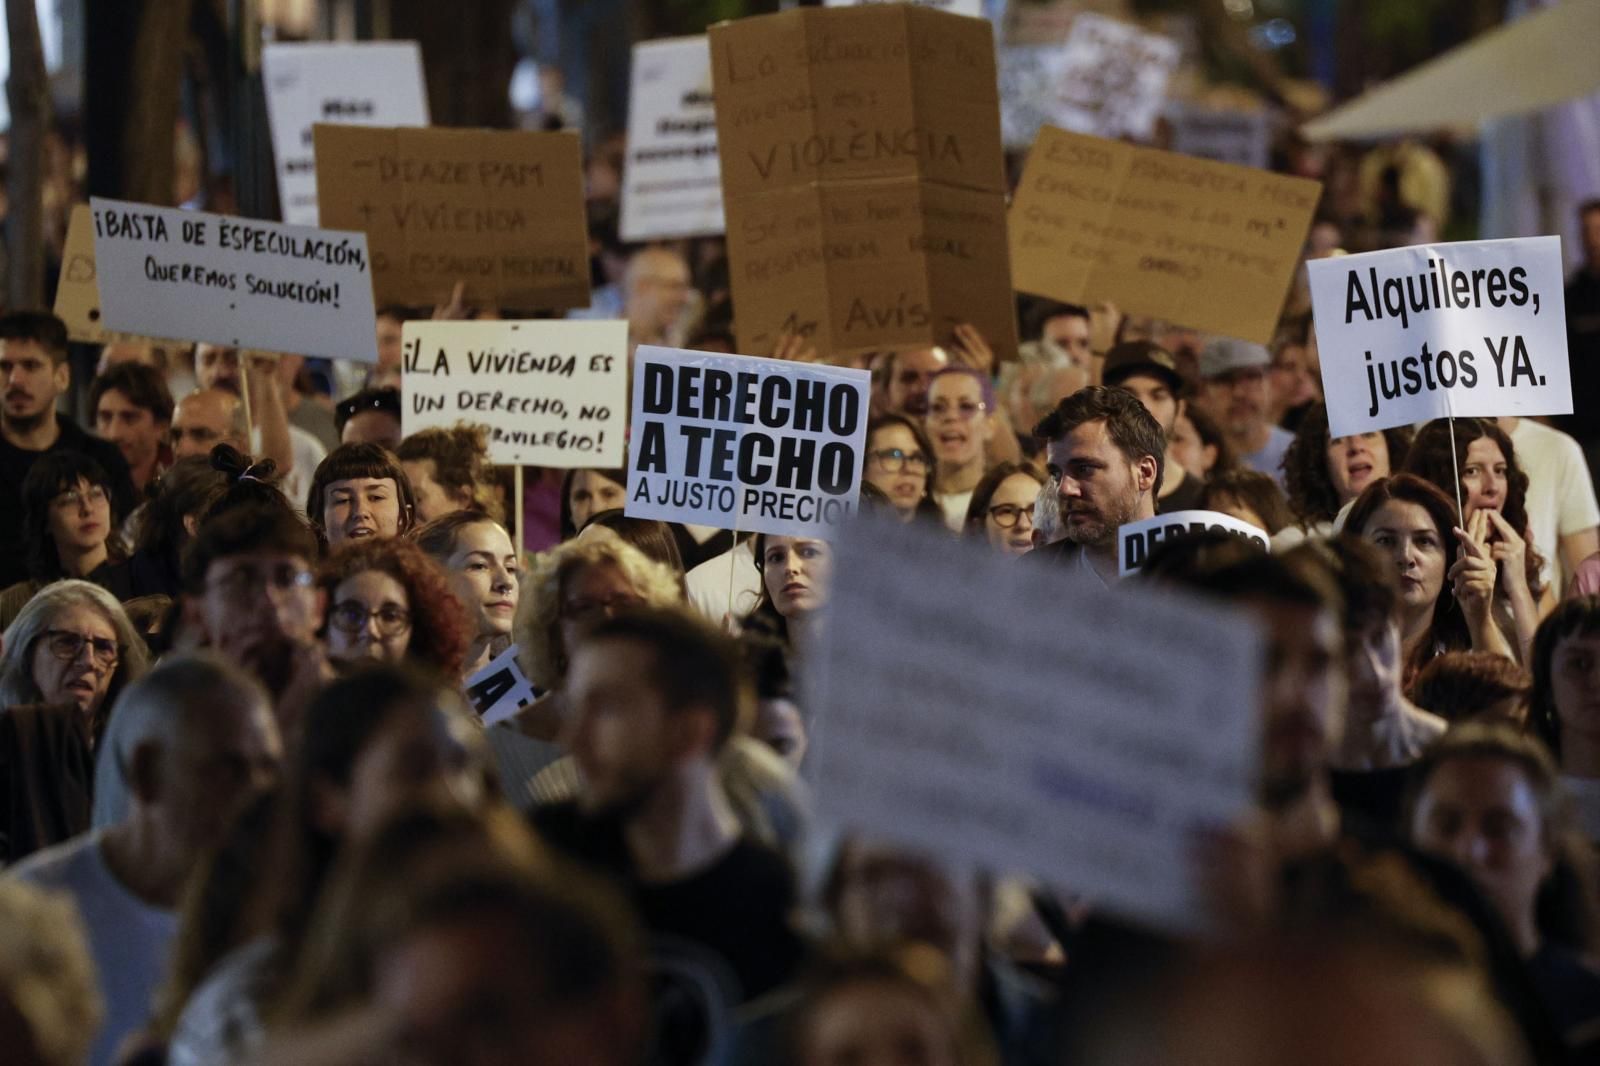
x: 388, y: 601
x: 960, y: 424
x: 899, y: 463
x: 1001, y: 512
x: 66, y: 657
x: 68, y: 530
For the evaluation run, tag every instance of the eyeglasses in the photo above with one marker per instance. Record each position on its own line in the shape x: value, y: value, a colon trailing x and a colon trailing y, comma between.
x: 67, y: 646
x: 1007, y: 515
x: 893, y: 460
x: 352, y: 616
x: 245, y: 584
x: 966, y: 410
x: 73, y: 499
x: 591, y: 610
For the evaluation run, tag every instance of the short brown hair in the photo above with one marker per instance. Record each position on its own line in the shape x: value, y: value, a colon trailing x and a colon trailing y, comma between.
x: 695, y: 666
x: 1131, y: 427
x: 1461, y: 685
x: 360, y: 460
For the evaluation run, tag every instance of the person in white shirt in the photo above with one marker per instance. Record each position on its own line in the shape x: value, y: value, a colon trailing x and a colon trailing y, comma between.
x: 193, y: 743
x: 1561, y: 503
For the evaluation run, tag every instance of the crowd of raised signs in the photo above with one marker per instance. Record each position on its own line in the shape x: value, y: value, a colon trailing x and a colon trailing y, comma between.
x: 321, y: 743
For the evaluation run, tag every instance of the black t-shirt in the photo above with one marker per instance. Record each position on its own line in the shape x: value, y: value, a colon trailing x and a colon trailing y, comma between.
x: 729, y: 922
x: 1583, y: 355
x: 1570, y: 991
x: 1371, y: 802
x: 14, y: 466
x: 1186, y: 497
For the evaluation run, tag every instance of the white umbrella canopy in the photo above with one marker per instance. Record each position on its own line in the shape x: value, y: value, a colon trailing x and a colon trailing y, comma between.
x: 1546, y: 58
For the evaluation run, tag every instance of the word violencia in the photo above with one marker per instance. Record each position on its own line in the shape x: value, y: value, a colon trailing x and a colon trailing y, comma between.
x: 1439, y: 288
x: 1444, y: 369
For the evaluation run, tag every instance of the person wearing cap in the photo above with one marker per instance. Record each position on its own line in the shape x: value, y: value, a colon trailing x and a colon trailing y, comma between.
x: 371, y: 416
x: 1149, y: 372
x: 1234, y: 391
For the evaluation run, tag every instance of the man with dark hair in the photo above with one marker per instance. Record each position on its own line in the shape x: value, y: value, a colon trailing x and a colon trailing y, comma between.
x: 1067, y: 327
x: 653, y: 697
x: 1106, y: 456
x: 1148, y: 371
x: 133, y: 410
x: 33, y: 373
x: 249, y: 592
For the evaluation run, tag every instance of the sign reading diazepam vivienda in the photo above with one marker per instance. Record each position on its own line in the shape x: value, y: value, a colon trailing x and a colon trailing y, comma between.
x: 737, y: 442
x: 239, y: 282
x: 549, y: 392
x: 1409, y: 334
x: 1088, y: 752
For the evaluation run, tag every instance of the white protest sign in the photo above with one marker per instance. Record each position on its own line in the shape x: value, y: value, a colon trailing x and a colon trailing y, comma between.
x: 1027, y: 74
x: 1226, y: 136
x: 737, y: 442
x: 1112, y: 78
x: 672, y: 185
x: 190, y: 275
x: 551, y: 392
x: 372, y: 83
x: 972, y: 8
x: 1136, y: 540
x: 500, y: 689
x: 1411, y: 334
x: 1085, y: 751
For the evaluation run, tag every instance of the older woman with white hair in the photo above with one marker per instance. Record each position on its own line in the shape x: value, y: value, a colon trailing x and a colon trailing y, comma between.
x: 63, y: 660
x: 72, y: 644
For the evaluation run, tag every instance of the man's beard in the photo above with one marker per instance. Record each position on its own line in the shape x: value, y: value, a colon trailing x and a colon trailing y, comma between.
x: 1101, y: 532
x: 28, y: 423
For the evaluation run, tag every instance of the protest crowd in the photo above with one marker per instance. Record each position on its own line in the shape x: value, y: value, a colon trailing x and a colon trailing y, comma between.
x: 1092, y: 666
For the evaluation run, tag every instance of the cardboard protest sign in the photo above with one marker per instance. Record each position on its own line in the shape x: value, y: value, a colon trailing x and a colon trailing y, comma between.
x: 1111, y: 78
x: 1085, y: 752
x: 370, y: 83
x: 863, y: 178
x: 1136, y: 540
x: 672, y: 185
x: 1208, y: 245
x: 500, y: 689
x: 1225, y: 136
x: 77, y: 291
x: 551, y: 392
x: 970, y: 8
x: 501, y: 211
x: 238, y: 282
x: 736, y: 442
x: 1474, y: 328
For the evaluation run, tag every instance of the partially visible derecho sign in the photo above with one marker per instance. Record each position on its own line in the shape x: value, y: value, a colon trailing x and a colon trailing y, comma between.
x: 737, y: 442
x: 365, y: 83
x: 240, y: 282
x: 1086, y: 752
x: 1472, y: 328
x: 501, y: 211
x: 863, y: 179
x: 1208, y: 245
x: 1136, y: 540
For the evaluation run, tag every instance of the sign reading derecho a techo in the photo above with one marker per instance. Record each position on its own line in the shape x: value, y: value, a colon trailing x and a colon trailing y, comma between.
x: 1474, y: 328
x: 239, y: 282
x: 737, y: 442
x: 549, y: 392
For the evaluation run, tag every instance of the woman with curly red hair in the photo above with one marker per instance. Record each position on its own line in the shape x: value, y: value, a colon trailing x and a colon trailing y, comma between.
x: 387, y: 600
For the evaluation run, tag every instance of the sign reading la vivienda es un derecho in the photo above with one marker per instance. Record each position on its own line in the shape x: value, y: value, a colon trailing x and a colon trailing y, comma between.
x: 1473, y: 328
x: 737, y: 442
x: 190, y: 275
x: 550, y: 392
